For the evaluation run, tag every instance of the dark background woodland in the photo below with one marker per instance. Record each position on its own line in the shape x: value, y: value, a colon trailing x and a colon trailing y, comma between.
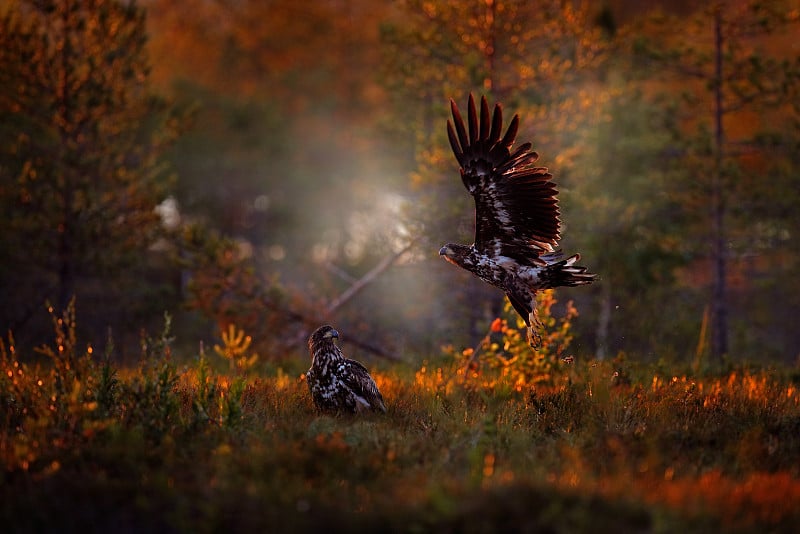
x: 275, y: 165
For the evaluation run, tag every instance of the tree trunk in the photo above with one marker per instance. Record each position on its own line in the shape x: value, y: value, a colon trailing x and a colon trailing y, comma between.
x: 719, y: 307
x: 603, y: 320
x: 66, y: 254
x: 66, y: 268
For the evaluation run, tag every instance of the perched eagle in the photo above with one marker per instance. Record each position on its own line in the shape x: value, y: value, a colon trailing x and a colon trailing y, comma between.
x: 336, y: 383
x: 517, y: 224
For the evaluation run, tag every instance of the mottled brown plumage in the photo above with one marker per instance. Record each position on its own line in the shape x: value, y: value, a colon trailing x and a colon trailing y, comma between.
x: 517, y: 225
x: 336, y: 383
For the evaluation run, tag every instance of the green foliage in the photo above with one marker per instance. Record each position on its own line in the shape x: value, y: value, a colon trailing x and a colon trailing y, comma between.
x: 626, y: 217
x: 150, y: 402
x: 230, y: 403
x: 206, y: 390
x: 107, y: 387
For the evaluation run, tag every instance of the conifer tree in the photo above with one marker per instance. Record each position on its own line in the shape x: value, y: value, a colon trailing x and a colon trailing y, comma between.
x: 81, y: 141
x: 727, y: 79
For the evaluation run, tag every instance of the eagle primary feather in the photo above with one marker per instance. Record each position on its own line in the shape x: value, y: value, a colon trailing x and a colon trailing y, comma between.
x: 335, y: 382
x: 517, y: 225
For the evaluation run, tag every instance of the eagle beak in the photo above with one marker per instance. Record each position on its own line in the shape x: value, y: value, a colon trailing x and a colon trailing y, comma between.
x: 332, y: 333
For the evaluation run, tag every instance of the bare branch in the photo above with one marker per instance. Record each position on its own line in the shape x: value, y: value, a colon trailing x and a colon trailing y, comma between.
x: 365, y: 280
x: 311, y: 323
x: 341, y: 273
x: 349, y: 293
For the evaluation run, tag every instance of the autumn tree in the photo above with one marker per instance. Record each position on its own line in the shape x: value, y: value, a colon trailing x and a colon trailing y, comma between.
x: 538, y: 59
x: 80, y: 168
x: 734, y: 86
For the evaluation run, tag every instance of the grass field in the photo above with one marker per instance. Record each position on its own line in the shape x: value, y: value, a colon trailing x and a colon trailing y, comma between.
x: 600, y: 447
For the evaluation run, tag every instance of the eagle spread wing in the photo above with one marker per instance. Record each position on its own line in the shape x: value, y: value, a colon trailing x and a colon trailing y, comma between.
x: 516, y: 211
x: 517, y: 224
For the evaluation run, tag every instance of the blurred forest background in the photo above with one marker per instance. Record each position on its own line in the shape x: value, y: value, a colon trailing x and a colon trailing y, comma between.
x: 279, y: 164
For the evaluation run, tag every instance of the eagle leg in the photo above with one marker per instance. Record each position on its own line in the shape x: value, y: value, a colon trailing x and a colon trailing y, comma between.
x: 534, y: 329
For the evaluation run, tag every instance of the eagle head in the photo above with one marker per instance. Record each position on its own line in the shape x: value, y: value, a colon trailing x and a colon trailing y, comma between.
x: 323, y: 334
x: 460, y: 255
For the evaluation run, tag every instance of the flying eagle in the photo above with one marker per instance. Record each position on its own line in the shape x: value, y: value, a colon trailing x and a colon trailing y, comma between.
x: 337, y: 383
x: 517, y: 225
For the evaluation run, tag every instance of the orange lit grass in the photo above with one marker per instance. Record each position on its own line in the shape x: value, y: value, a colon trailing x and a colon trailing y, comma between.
x: 755, y: 498
x: 451, y: 429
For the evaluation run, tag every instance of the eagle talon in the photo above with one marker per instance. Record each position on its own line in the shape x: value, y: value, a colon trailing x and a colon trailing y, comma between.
x: 534, y: 338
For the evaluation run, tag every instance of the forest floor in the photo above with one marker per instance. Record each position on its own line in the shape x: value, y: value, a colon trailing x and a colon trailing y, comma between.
x: 600, y: 447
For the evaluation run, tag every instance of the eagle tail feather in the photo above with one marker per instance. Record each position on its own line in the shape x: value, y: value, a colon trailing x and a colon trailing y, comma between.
x: 558, y: 271
x: 564, y: 272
